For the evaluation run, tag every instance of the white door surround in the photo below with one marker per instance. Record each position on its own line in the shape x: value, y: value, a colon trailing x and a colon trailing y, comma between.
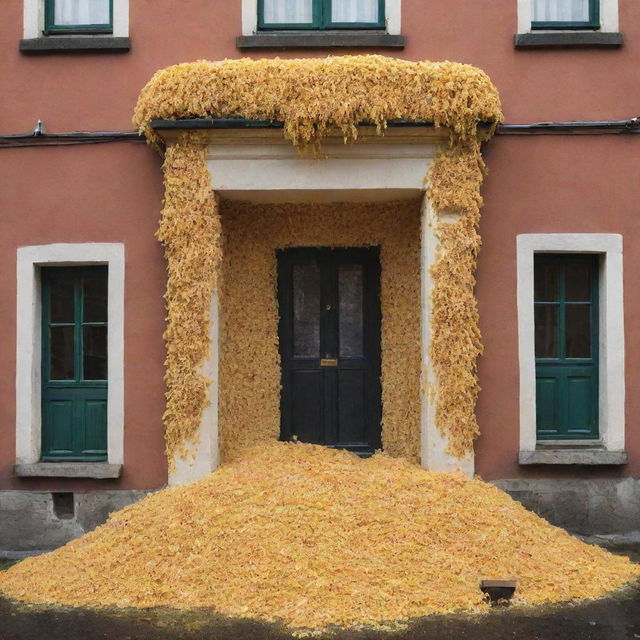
x: 260, y: 166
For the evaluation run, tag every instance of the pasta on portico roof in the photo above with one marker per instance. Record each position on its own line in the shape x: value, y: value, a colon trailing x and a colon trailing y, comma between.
x: 313, y: 95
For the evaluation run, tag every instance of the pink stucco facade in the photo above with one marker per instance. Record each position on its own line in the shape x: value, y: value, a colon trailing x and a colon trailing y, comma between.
x: 112, y: 193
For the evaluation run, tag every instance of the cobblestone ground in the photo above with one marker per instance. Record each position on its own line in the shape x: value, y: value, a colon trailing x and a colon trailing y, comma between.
x: 612, y: 618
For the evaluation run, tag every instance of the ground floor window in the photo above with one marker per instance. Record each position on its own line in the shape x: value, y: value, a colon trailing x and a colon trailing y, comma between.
x: 74, y: 363
x: 566, y: 345
x: 70, y: 360
x: 571, y: 347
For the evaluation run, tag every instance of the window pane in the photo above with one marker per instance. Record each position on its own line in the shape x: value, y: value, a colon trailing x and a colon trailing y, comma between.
x: 546, y: 320
x: 81, y: 12
x: 62, y: 305
x: 94, y: 356
x: 545, y: 281
x: 288, y: 11
x: 561, y: 10
x: 578, y: 329
x: 350, y: 292
x: 354, y: 11
x: 62, y: 351
x: 578, y: 283
x: 306, y: 310
x: 95, y: 299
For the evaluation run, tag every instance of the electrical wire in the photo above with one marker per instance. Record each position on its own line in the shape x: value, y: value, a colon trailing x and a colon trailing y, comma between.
x: 38, y: 138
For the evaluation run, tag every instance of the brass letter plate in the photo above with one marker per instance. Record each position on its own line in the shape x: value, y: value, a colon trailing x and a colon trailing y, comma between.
x: 329, y: 362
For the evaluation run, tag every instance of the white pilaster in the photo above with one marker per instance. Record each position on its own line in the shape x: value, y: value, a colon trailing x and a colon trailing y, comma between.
x: 433, y: 446
x: 206, y: 456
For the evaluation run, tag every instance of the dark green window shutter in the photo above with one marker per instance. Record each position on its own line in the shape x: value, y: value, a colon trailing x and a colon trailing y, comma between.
x: 74, y: 363
x: 566, y: 346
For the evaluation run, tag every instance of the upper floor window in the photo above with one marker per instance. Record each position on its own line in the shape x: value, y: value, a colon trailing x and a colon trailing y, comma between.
x: 78, y: 16
x: 566, y: 14
x: 321, y: 14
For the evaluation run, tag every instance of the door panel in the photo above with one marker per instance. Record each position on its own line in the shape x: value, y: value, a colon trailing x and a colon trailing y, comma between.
x: 329, y: 333
x: 61, y: 417
x: 352, y: 421
x: 307, y: 414
x: 579, y: 404
x: 547, y: 404
x: 95, y: 426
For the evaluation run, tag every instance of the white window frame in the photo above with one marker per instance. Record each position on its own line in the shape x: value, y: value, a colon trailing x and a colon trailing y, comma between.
x: 611, y: 339
x: 608, y: 18
x: 29, y: 341
x: 250, y: 17
x: 33, y: 21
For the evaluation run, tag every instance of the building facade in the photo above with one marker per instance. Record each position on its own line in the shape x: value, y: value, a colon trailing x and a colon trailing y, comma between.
x: 321, y: 326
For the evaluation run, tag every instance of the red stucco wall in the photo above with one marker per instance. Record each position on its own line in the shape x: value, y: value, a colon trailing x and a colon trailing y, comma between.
x: 113, y: 192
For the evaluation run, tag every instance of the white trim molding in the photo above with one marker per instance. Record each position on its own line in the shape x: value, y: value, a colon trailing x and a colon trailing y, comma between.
x: 29, y: 338
x: 608, y: 17
x: 611, y: 342
x: 250, y: 17
x: 33, y: 19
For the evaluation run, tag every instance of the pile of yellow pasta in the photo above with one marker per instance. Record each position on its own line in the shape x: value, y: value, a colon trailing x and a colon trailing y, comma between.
x: 315, y: 537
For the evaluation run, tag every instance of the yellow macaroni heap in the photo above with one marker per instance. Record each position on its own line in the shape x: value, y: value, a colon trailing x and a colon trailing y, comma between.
x: 314, y: 537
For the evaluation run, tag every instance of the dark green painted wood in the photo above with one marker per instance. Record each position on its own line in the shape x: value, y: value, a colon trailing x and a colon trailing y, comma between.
x: 592, y: 23
x: 322, y: 19
x: 74, y: 410
x: 337, y: 405
x: 50, y: 27
x: 566, y: 387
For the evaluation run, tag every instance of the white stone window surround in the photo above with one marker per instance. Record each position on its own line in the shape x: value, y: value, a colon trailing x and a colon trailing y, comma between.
x: 33, y: 20
x: 608, y: 18
x: 29, y: 340
x: 611, y: 339
x: 250, y: 17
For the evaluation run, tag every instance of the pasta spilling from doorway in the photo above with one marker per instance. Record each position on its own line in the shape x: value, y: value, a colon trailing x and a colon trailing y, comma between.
x: 313, y: 97
x: 313, y: 537
x: 249, y: 360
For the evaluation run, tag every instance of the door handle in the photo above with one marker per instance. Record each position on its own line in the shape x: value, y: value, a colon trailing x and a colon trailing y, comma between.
x: 329, y: 362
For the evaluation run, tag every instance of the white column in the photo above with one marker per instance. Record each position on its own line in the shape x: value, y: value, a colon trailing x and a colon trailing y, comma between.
x: 433, y: 445
x: 206, y: 456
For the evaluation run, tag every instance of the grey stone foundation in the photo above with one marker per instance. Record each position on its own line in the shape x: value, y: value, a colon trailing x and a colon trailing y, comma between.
x: 598, y: 507
x: 41, y: 520
x: 605, y: 509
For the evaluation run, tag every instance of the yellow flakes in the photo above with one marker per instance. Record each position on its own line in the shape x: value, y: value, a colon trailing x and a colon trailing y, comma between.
x: 315, y: 537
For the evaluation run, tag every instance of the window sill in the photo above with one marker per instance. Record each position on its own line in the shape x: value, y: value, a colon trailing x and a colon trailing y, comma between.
x: 573, y: 456
x: 95, y: 470
x: 71, y: 44
x: 568, y: 39
x: 319, y: 40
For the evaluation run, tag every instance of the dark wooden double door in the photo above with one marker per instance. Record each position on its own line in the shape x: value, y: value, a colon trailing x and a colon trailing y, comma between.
x: 329, y: 332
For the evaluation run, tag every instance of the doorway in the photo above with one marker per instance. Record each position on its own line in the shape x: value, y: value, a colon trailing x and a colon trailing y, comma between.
x: 329, y: 336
